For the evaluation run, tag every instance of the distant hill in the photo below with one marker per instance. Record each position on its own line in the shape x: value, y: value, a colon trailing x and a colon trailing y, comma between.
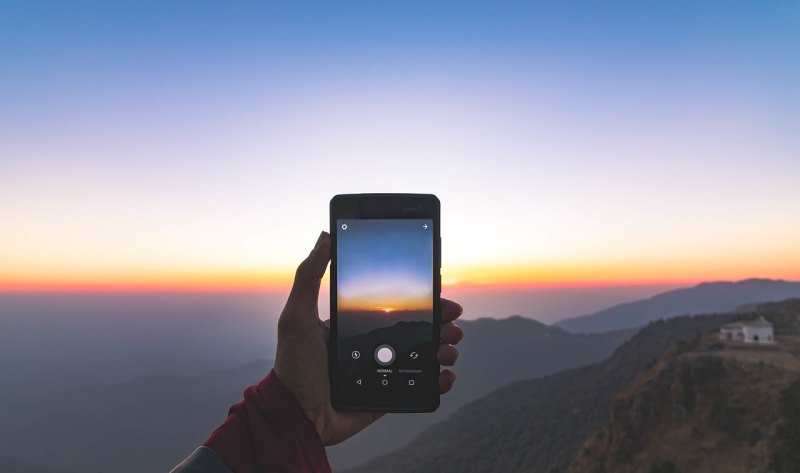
x: 147, y: 424
x: 701, y: 299
x: 708, y: 407
x: 494, y: 352
x: 537, y: 425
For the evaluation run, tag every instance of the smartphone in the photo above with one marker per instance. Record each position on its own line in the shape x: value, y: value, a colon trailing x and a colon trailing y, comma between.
x: 385, y: 302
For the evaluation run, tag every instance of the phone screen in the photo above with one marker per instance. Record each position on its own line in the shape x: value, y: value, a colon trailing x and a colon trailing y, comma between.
x: 385, y: 307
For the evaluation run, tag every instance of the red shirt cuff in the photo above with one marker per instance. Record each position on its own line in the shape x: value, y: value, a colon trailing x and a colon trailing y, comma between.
x: 269, y: 432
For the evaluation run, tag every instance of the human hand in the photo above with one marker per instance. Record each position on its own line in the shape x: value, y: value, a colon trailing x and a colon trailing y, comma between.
x: 301, y: 361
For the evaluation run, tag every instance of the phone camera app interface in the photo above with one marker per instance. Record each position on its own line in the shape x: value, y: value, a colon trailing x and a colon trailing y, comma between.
x: 385, y: 308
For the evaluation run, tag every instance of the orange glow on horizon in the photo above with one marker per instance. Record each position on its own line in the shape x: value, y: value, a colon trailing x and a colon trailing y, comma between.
x: 643, y: 269
x: 423, y: 303
x: 140, y: 287
x: 169, y: 281
x: 477, y: 278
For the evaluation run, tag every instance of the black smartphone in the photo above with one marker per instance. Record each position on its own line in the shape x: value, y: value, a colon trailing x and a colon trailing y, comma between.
x: 385, y: 302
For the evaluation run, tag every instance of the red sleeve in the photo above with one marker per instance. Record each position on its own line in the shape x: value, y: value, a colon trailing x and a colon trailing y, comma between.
x: 268, y: 432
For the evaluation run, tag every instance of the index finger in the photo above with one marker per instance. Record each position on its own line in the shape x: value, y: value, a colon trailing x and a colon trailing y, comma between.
x: 450, y: 310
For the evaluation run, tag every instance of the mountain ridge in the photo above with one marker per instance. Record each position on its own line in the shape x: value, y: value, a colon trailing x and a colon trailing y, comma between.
x: 703, y: 298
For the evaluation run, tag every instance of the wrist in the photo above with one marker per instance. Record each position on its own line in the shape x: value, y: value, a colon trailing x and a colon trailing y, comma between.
x: 317, y: 414
x: 312, y: 420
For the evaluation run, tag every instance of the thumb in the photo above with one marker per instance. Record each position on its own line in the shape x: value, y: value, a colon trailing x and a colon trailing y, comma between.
x: 305, y: 291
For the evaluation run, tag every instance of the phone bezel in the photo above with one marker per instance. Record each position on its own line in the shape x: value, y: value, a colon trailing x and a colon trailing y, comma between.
x: 389, y: 206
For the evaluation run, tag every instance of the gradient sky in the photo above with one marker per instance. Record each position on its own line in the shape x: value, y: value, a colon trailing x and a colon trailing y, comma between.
x: 385, y: 265
x: 197, y: 144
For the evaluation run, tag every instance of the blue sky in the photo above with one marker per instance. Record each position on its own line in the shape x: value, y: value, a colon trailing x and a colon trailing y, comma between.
x: 607, y: 140
x: 385, y: 263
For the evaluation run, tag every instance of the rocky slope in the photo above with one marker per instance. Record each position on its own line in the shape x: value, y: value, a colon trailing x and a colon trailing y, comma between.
x: 708, y: 407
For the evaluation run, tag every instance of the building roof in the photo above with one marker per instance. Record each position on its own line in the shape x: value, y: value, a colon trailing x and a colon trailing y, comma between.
x: 759, y: 322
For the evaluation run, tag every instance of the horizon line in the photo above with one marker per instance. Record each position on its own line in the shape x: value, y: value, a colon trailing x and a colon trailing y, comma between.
x: 10, y: 288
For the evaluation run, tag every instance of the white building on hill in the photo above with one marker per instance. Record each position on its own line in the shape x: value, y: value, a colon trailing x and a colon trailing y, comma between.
x: 752, y: 331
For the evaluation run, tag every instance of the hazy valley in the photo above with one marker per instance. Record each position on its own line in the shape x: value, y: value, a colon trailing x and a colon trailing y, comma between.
x: 82, y: 386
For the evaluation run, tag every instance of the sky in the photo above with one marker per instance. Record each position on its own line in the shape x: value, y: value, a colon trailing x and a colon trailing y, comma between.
x: 384, y: 265
x: 195, y: 145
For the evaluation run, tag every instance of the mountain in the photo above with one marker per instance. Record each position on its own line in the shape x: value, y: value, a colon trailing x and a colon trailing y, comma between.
x: 357, y: 322
x: 494, y: 352
x: 537, y: 425
x: 704, y: 298
x: 708, y: 407
x: 149, y: 423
